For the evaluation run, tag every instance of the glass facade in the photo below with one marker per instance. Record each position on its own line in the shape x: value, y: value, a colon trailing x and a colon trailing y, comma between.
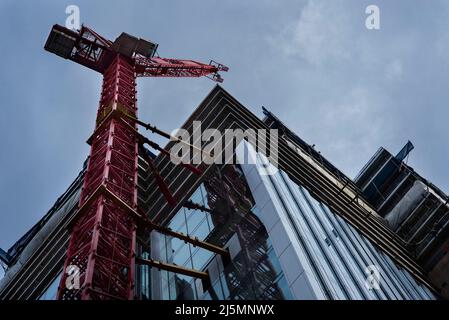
x: 284, y: 242
x: 302, y: 250
x: 52, y: 291
x: 321, y: 254
x: 227, y: 215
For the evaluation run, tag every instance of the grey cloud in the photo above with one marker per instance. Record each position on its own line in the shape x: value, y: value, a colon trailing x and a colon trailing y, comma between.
x: 313, y: 63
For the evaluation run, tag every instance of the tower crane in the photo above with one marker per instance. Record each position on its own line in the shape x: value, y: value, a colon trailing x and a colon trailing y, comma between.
x: 103, y: 238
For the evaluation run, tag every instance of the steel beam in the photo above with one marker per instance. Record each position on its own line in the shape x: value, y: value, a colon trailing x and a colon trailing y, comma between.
x: 173, y: 268
x: 143, y: 221
x: 103, y: 238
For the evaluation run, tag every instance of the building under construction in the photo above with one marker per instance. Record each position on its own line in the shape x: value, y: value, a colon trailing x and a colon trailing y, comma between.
x: 148, y: 229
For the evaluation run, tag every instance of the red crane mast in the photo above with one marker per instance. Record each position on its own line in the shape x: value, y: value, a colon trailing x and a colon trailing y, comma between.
x: 103, y: 239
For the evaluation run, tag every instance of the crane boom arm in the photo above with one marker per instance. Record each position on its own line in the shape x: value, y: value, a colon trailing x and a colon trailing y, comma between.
x: 164, y: 67
x: 91, y: 50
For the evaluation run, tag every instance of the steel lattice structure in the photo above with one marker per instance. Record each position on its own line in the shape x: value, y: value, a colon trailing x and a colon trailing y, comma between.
x: 103, y: 240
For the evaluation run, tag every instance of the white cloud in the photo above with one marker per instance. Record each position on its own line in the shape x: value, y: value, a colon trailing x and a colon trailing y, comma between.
x: 394, y: 70
x: 354, y: 125
x: 321, y: 35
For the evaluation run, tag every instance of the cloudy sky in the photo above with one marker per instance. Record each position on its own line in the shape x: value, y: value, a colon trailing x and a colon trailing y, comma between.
x: 345, y: 88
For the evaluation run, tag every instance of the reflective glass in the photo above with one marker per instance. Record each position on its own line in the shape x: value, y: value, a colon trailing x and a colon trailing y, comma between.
x: 200, y: 258
x: 197, y: 197
x: 52, y: 290
x: 194, y: 220
x: 201, y: 231
x: 254, y: 273
x: 178, y: 222
x: 181, y: 255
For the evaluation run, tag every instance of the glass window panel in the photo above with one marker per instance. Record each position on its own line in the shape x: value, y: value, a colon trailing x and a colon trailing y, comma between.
x: 256, y: 211
x: 194, y: 289
x: 188, y: 263
x: 194, y: 220
x: 283, y: 286
x: 206, y: 296
x: 165, y: 287
x: 200, y: 258
x: 274, y: 262
x: 52, y: 290
x: 181, y: 255
x: 145, y: 282
x: 201, y: 231
x: 224, y: 286
x: 204, y: 195
x: 171, y: 245
x: 181, y: 287
x: 197, y: 197
x: 177, y: 223
x: 165, y: 292
x: 210, y: 222
x: 172, y: 286
x: 162, y: 247
x: 216, y: 286
x: 236, y: 283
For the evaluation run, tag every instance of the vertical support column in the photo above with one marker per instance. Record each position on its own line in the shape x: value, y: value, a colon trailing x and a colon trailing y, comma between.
x: 102, y: 243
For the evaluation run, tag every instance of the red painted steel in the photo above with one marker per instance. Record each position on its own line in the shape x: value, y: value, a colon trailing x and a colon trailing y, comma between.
x: 163, y: 67
x: 103, y: 239
x: 95, y: 52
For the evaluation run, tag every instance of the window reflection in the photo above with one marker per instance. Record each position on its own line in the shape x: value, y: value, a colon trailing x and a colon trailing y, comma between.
x: 255, y: 272
x: 200, y: 258
x: 52, y: 291
x: 194, y: 220
x: 202, y: 230
x: 178, y: 223
x: 181, y: 256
